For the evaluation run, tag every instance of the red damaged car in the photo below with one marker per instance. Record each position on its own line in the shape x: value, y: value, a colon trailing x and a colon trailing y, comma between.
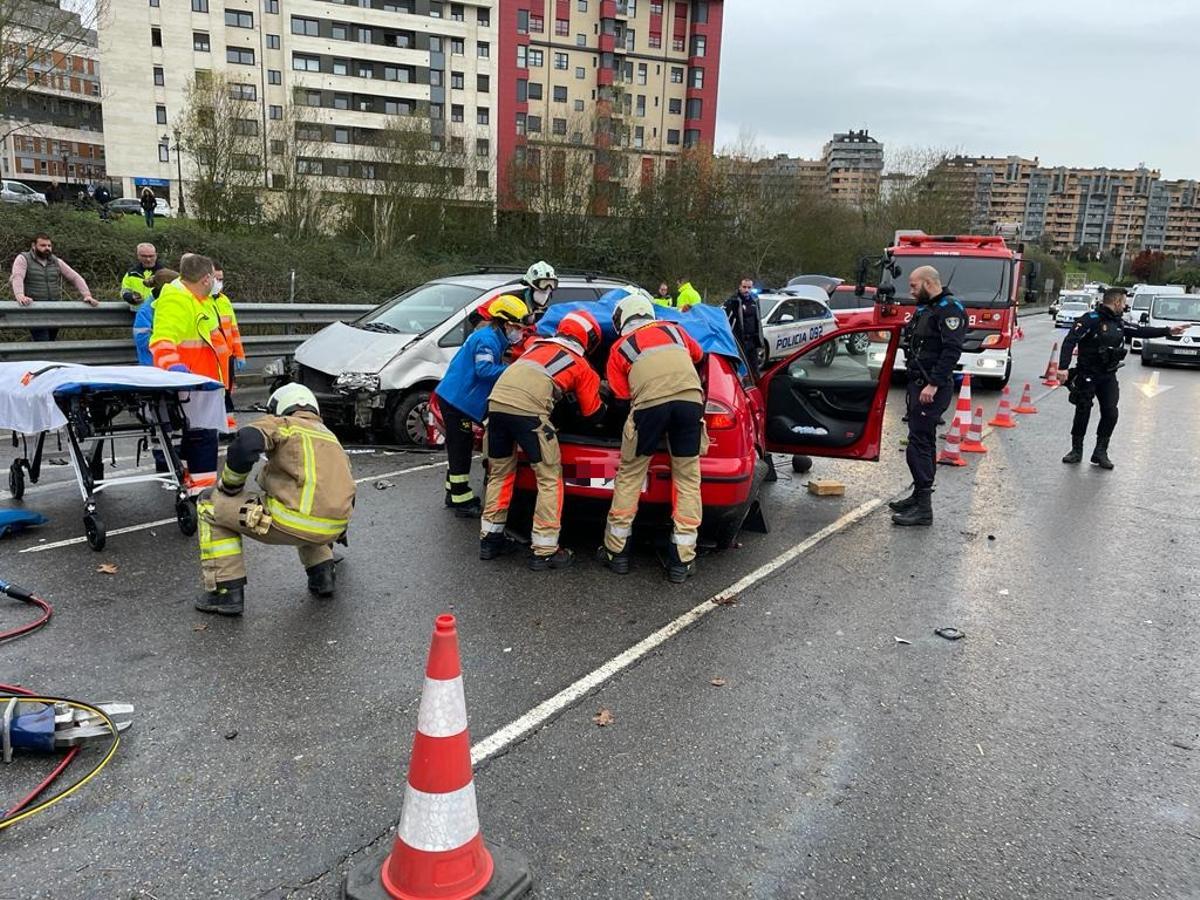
x: 812, y: 403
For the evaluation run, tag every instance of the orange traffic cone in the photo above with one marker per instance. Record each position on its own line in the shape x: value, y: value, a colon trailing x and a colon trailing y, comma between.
x: 439, y: 853
x: 1052, y: 362
x: 1003, y: 417
x: 962, y: 410
x: 1025, y: 407
x: 1018, y: 332
x: 974, y: 441
x: 951, y: 456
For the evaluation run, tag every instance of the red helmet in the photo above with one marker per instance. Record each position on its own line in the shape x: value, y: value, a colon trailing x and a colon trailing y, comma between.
x: 581, y: 327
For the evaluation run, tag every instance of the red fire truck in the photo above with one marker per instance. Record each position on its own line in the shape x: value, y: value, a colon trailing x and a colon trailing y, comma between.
x: 983, y: 272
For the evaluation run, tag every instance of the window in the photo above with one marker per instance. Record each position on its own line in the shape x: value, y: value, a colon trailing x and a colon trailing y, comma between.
x: 242, y: 56
x: 457, y: 13
x: 697, y: 77
x: 522, y: 90
x: 560, y: 94
x: 580, y: 72
x: 675, y: 106
x: 484, y: 17
x: 365, y: 69
x: 341, y: 135
x: 655, y: 41
x: 641, y: 104
x: 237, y: 19
x: 521, y: 123
x: 341, y: 66
x: 481, y: 178
x: 398, y: 107
x: 522, y: 56
x: 698, y: 44
x: 274, y: 76
x: 435, y: 44
x: 155, y: 37
x: 483, y: 84
x: 559, y: 126
x: 277, y: 147
x: 562, y: 61
x: 641, y: 73
x: 458, y: 47
x: 272, y: 42
x: 691, y: 137
x: 676, y: 75
x: 303, y: 62
x: 435, y: 77
x: 308, y: 132
x: 457, y: 145
x: 271, y: 6
x: 341, y: 101
x: 639, y: 136
x: 397, y: 73
x: 341, y: 169
x: 154, y: 4
x: 578, y: 106
x: 158, y: 76
x: 164, y: 153
x: 435, y: 111
x: 160, y: 114
x: 243, y: 91
x: 581, y: 40
x: 535, y: 90
x: 246, y: 162
x: 576, y: 137
x: 482, y: 115
x: 457, y: 112
x: 435, y: 10
x: 485, y: 50
x: 456, y: 81
x: 339, y: 31
x: 700, y: 12
x: 309, y: 27
x: 200, y: 6
x: 537, y: 24
x: 695, y: 108
x: 534, y: 124
x: 200, y: 41
x: 562, y: 27
x: 656, y: 7
x: 630, y: 39
x: 365, y: 36
x: 245, y: 127
x: 673, y: 136
x: 483, y: 147
x: 582, y: 5
x: 522, y: 21
x: 276, y: 112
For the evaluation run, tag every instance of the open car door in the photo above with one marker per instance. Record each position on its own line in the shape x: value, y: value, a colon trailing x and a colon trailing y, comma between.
x: 828, y: 399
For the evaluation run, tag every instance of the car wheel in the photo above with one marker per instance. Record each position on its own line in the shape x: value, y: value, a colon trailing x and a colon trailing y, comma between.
x: 408, y: 419
x: 859, y: 343
x: 823, y: 358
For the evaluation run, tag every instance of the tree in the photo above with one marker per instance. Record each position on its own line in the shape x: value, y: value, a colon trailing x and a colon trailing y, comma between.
x: 225, y: 149
x: 1149, y: 266
x: 1190, y: 277
x: 301, y: 207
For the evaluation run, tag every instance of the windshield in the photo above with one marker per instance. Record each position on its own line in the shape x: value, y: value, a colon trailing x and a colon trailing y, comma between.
x: 1074, y: 306
x: 974, y: 281
x: 420, y: 309
x: 848, y: 300
x: 1177, y: 308
x: 1141, y: 301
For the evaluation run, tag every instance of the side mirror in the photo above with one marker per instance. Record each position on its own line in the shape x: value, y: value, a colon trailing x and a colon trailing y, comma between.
x: 1145, y: 319
x: 860, y: 277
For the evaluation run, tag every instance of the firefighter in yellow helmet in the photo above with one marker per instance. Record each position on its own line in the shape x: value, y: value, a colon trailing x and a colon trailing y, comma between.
x: 307, y: 494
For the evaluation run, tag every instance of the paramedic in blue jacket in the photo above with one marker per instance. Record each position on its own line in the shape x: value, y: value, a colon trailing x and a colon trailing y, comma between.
x: 463, y: 393
x: 143, y: 324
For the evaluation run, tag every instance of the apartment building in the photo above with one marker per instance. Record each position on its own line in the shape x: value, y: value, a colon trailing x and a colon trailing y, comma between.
x: 51, y: 116
x: 853, y: 168
x: 1069, y: 208
x: 332, y: 75
x: 631, y: 82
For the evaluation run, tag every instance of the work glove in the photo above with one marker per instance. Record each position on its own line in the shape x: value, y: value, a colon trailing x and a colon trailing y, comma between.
x: 179, y: 367
x: 238, y: 365
x: 228, y: 489
x: 131, y: 298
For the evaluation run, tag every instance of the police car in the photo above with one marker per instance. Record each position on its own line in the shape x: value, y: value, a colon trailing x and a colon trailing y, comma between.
x: 793, y: 317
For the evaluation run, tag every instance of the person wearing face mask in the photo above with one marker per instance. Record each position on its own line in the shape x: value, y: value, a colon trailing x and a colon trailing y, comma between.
x: 933, y: 341
x: 540, y: 282
x: 462, y: 394
x: 233, y: 337
x: 186, y: 337
x: 38, y: 276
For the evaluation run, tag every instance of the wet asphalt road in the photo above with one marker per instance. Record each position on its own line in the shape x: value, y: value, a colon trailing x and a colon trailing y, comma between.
x: 1055, y: 751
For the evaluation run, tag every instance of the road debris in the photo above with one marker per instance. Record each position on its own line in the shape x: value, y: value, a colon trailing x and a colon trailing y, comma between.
x: 107, y: 568
x: 826, y: 488
x: 1004, y: 592
x: 383, y: 484
x: 950, y: 634
x: 979, y: 747
x: 200, y: 626
x: 604, y: 717
x: 717, y: 682
x: 901, y: 640
x: 730, y: 600
x: 230, y: 735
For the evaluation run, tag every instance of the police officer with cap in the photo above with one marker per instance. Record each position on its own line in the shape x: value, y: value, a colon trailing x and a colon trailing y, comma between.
x: 1100, y: 336
x: 933, y: 341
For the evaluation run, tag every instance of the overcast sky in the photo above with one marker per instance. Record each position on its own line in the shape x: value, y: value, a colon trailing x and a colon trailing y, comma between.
x: 1073, y: 82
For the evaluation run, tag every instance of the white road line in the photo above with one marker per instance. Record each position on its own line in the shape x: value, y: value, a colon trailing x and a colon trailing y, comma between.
x: 43, y: 487
x: 519, y: 728
x: 79, y: 540
x: 423, y: 468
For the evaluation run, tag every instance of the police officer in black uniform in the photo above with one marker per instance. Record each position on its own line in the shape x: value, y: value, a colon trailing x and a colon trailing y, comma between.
x: 1100, y: 336
x: 933, y: 341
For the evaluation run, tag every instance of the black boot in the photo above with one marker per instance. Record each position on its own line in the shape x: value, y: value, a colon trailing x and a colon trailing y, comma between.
x: 921, y: 512
x: 560, y: 560
x: 227, y: 600
x: 904, y: 504
x: 1076, y: 455
x: 617, y: 563
x: 678, y: 571
x: 494, y: 546
x: 1100, y: 454
x: 321, y: 579
x: 471, y: 509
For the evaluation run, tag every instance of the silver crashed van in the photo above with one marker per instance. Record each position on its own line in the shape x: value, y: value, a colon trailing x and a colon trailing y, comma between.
x: 378, y: 372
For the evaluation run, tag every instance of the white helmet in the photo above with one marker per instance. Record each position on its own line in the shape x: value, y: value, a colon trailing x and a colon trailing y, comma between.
x: 541, y: 271
x: 637, y: 305
x: 290, y: 398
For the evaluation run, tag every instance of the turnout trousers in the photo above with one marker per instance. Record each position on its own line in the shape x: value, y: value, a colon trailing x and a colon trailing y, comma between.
x: 682, y: 423
x: 460, y: 444
x: 921, y: 453
x: 223, y: 523
x: 506, y: 432
x: 1100, y: 386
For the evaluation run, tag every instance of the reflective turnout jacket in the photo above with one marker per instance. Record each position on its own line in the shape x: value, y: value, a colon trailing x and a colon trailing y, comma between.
x: 187, y: 331
x: 547, y: 370
x: 654, y: 363
x: 306, y: 480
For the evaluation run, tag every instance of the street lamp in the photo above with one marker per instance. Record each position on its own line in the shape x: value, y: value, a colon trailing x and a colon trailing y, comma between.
x: 166, y: 141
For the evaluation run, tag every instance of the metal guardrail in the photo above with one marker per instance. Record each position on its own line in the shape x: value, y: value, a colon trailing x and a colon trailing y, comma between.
x: 73, y: 314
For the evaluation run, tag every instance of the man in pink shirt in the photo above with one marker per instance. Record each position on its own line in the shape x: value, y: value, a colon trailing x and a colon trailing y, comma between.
x: 37, y: 277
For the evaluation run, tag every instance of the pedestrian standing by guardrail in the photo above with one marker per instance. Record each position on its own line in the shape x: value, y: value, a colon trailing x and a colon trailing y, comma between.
x: 37, y: 277
x: 135, y: 286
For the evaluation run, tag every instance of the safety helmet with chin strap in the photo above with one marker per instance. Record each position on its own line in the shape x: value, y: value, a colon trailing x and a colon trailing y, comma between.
x: 581, y: 326
x: 541, y: 271
x: 290, y: 398
x: 637, y: 305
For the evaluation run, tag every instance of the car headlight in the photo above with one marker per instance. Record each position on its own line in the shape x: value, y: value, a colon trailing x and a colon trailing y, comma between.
x: 992, y: 340
x: 275, y: 367
x: 357, y: 381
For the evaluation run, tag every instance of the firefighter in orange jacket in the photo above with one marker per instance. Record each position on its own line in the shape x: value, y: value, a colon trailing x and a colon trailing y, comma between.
x: 653, y: 365
x: 187, y: 337
x: 519, y: 409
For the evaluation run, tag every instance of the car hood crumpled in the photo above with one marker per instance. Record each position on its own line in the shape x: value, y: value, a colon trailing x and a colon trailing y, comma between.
x: 342, y: 348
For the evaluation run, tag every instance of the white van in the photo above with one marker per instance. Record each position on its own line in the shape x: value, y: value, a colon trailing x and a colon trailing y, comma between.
x: 1139, y: 305
x: 1167, y: 310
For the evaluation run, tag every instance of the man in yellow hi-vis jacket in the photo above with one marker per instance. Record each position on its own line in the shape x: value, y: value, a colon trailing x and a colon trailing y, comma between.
x: 306, y: 500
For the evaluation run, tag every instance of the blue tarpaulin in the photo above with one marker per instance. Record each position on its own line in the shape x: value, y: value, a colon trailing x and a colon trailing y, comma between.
x: 706, y: 324
x: 15, y: 519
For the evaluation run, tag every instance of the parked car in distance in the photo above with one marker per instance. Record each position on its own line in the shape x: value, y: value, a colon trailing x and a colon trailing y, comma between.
x: 20, y: 194
x: 1139, y: 304
x: 793, y: 317
x: 132, y: 206
x: 1069, y: 311
x: 1166, y: 311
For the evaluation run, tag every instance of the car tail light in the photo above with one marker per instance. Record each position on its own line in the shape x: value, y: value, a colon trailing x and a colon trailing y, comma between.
x: 880, y: 337
x: 719, y: 417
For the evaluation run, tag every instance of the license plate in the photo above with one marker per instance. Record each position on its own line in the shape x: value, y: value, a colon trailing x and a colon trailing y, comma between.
x: 1186, y: 352
x: 602, y: 484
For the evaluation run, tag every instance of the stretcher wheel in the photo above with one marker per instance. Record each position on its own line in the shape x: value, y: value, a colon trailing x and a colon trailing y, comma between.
x: 16, y: 480
x: 185, y: 514
x: 93, y: 527
x: 801, y: 464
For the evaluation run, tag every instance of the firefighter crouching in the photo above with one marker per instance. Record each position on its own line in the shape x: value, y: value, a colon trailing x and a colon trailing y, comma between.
x: 519, y: 409
x: 653, y: 364
x: 306, y: 500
